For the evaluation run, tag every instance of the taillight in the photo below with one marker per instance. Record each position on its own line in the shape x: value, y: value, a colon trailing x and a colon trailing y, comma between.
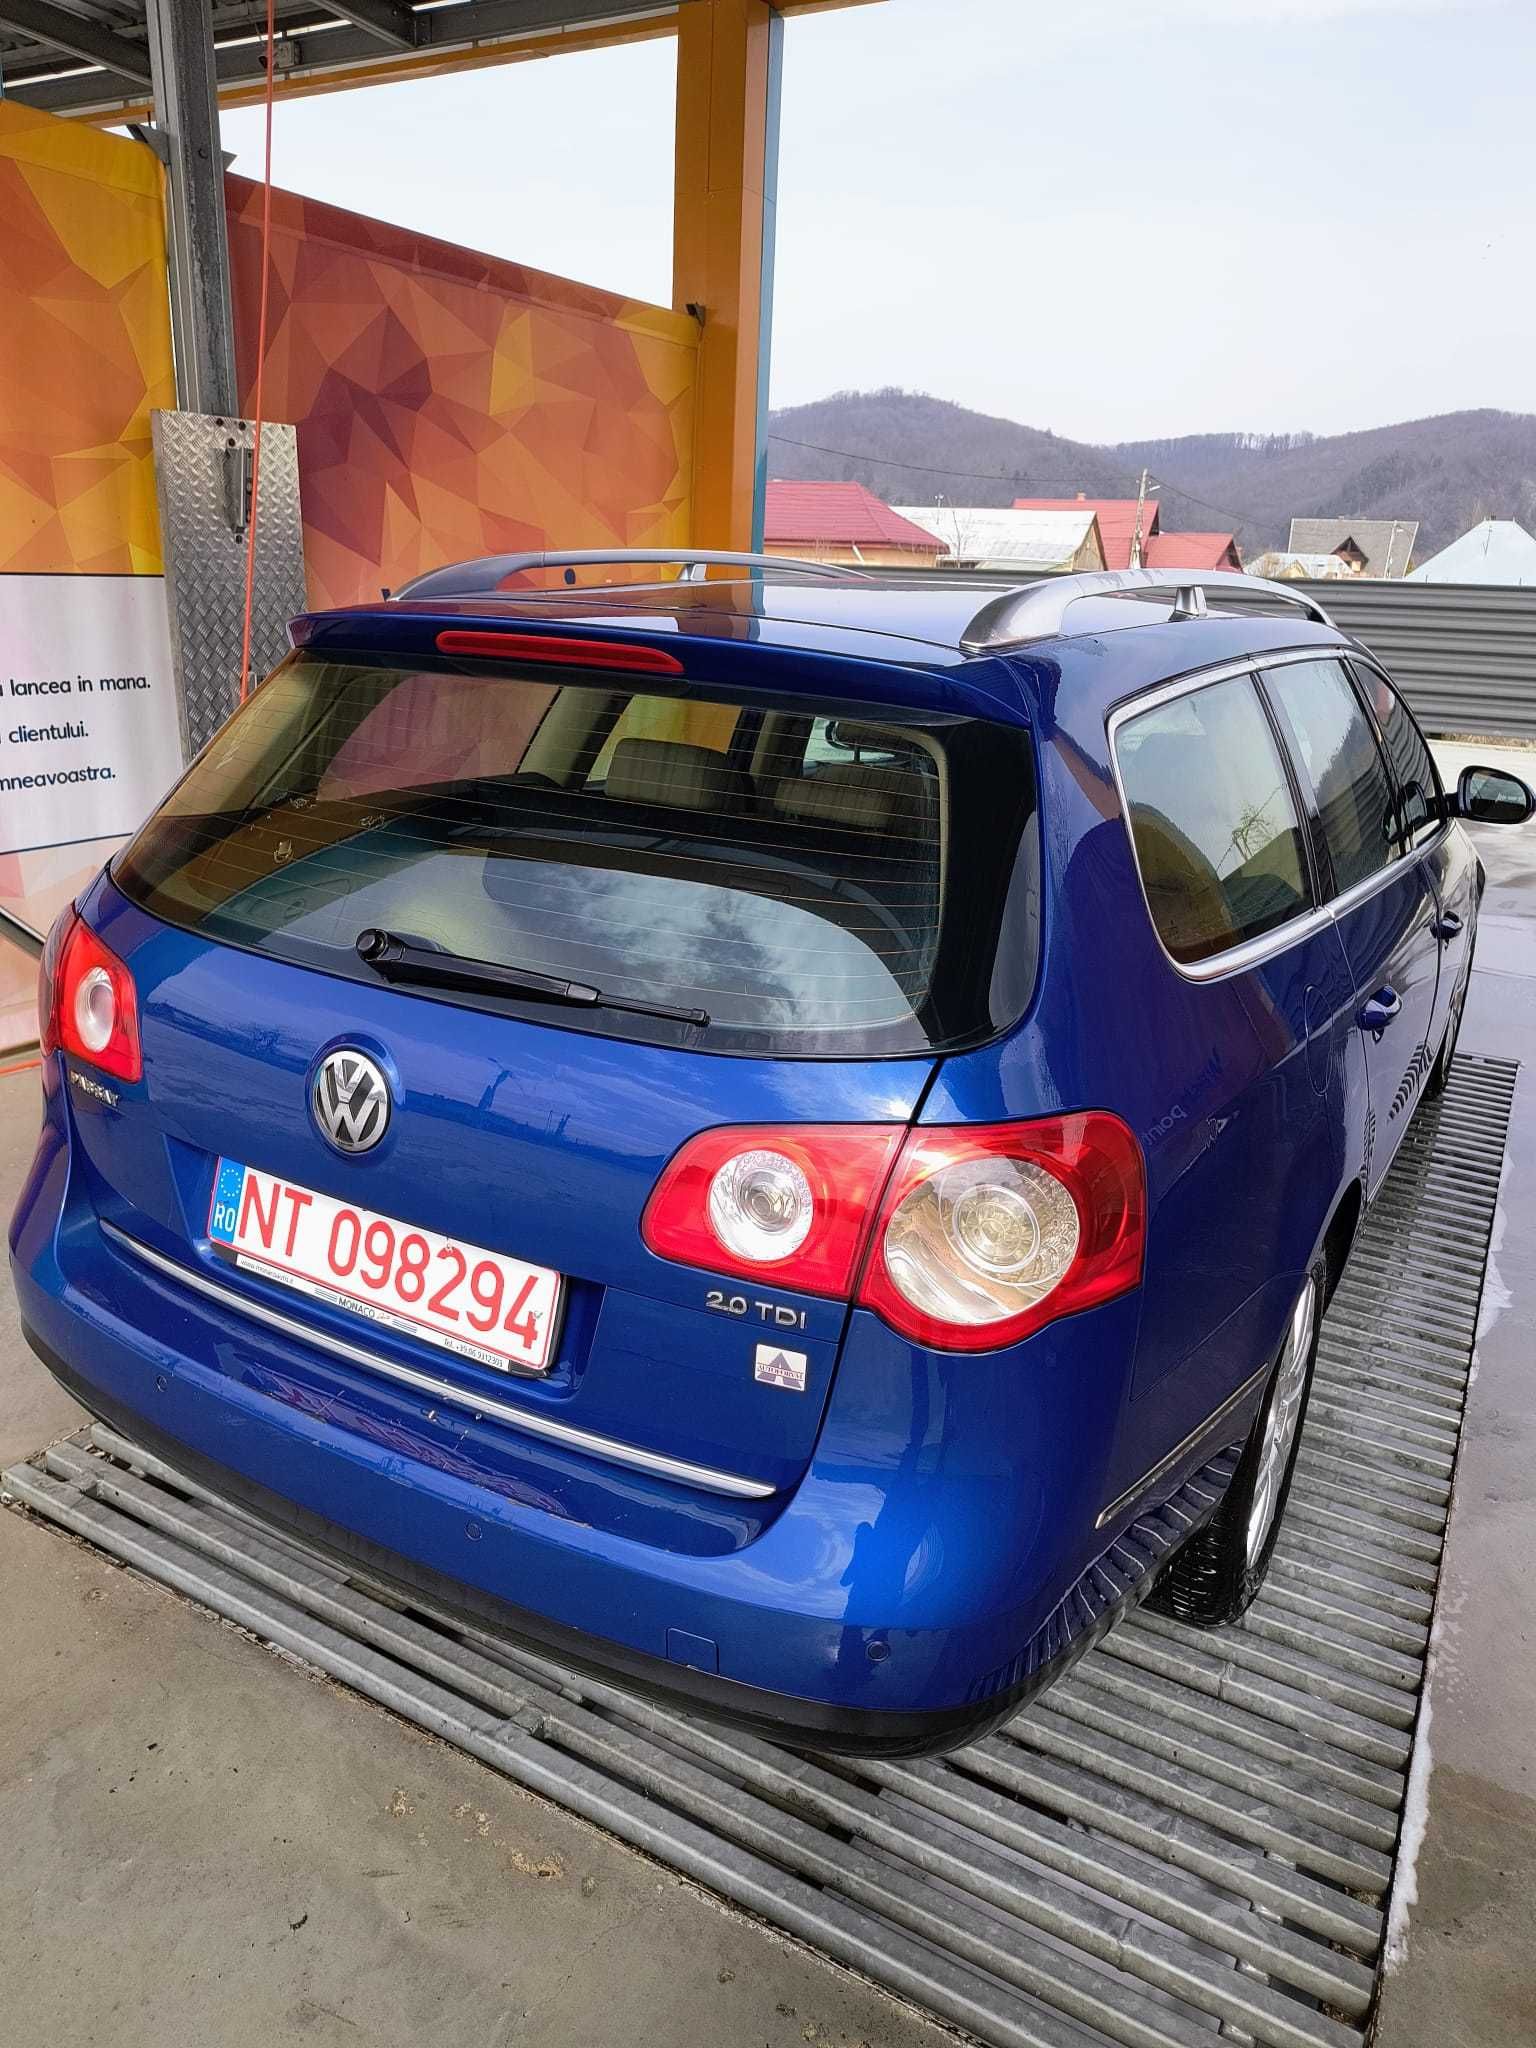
x: 48, y: 980
x: 989, y: 1231
x: 784, y: 1202
x: 964, y: 1237
x: 92, y: 1007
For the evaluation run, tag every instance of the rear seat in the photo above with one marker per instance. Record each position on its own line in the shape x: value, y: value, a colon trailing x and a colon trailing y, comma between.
x: 671, y: 772
x: 880, y: 799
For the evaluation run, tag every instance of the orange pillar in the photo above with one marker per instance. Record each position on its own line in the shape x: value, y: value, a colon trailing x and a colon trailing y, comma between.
x: 727, y: 146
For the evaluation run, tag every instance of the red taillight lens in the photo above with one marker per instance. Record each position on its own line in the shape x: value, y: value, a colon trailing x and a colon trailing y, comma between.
x: 48, y: 980
x: 975, y: 1234
x: 787, y: 1203
x: 986, y: 1232
x: 94, y: 1011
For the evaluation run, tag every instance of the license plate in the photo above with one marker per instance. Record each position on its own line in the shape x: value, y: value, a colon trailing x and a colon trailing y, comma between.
x: 481, y: 1304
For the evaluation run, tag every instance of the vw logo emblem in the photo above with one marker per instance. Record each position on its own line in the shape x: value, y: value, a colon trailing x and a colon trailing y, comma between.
x: 350, y: 1100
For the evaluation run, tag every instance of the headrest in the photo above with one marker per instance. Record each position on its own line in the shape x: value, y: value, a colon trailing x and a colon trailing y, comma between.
x: 858, y: 798
x: 671, y: 772
x: 867, y: 738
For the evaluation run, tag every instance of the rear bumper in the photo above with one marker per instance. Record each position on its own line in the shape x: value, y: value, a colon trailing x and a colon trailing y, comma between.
x: 925, y: 1577
x: 1118, y: 1582
x: 820, y: 1724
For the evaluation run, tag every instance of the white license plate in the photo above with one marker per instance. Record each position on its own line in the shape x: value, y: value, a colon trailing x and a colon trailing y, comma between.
x: 481, y: 1304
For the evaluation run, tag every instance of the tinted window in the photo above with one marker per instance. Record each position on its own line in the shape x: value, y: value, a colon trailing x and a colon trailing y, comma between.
x: 1418, y: 785
x: 1217, y: 837
x: 1348, y: 775
x: 664, y: 849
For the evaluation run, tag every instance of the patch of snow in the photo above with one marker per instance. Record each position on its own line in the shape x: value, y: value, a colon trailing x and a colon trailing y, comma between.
x: 1441, y: 1654
x: 1405, y: 1882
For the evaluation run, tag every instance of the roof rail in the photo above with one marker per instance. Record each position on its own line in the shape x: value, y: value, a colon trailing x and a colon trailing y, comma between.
x: 1038, y: 611
x: 473, y: 579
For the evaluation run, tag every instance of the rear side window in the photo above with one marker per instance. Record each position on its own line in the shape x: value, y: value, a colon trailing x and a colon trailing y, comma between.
x: 814, y: 883
x: 1218, y: 841
x: 1418, y: 785
x: 1344, y: 764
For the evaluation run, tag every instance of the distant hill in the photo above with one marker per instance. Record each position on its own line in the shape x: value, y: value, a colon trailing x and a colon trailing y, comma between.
x: 908, y: 447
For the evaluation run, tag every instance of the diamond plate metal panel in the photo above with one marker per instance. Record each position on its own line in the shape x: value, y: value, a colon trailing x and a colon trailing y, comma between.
x: 205, y: 559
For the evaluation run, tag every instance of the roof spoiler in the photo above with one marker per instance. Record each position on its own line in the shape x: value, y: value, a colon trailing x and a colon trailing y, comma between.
x: 1039, y: 611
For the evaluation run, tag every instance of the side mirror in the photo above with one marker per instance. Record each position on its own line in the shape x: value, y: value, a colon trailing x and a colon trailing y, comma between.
x: 1489, y: 796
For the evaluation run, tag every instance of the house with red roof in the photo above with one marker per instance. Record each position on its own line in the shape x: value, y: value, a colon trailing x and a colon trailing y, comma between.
x: 1192, y: 551
x: 832, y: 522
x: 1160, y: 549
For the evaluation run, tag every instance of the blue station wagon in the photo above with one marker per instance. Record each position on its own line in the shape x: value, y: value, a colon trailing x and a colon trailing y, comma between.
x: 783, y: 1136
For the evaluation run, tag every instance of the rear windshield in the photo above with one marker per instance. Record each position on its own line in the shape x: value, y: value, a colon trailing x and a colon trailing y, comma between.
x: 812, y: 881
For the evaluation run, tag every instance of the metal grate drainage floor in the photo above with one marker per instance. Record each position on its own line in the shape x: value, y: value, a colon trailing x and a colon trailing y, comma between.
x: 1191, y: 1837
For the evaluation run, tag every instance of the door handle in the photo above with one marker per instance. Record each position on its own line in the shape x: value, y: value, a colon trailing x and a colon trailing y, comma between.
x: 1380, y: 1010
x: 1448, y: 926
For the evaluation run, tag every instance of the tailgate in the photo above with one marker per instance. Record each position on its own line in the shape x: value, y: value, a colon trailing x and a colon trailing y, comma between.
x: 538, y: 1143
x: 573, y: 920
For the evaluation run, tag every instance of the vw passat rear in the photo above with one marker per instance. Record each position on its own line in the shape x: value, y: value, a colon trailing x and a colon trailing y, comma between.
x: 670, y: 1121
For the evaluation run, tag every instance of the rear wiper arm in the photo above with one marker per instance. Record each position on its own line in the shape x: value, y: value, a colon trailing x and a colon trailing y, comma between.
x: 402, y: 959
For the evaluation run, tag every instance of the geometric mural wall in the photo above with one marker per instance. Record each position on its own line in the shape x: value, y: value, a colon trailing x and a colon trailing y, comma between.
x: 85, y: 354
x: 448, y: 404
x: 451, y: 404
x: 85, y: 346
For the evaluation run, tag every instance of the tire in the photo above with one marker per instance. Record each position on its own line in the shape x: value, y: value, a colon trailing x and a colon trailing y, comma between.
x: 1213, y: 1577
x: 1440, y: 1072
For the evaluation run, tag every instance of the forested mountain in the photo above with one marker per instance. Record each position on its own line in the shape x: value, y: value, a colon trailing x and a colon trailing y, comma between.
x: 909, y: 448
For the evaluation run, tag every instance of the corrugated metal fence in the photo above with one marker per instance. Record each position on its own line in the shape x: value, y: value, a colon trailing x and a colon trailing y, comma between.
x: 1464, y: 654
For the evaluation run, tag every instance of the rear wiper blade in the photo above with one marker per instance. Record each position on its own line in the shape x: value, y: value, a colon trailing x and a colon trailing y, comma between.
x: 403, y: 959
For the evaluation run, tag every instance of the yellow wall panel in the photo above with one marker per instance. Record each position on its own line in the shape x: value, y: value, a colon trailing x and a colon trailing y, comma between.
x: 85, y: 346
x: 85, y: 354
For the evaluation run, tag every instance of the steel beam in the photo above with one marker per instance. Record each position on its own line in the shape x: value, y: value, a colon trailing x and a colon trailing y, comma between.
x: 466, y: 37
x: 76, y: 38
x: 384, y: 19
x: 722, y: 262
x: 187, y: 117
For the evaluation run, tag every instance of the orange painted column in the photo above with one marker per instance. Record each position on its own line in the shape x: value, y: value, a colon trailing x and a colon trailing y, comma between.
x: 727, y: 147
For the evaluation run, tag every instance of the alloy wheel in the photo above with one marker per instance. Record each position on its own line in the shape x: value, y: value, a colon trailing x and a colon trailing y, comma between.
x: 1281, y: 1423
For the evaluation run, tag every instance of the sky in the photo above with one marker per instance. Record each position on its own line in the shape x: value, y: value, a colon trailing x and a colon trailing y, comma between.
x: 1118, y: 219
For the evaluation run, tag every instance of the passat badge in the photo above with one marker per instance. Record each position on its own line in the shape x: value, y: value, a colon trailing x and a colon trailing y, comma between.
x: 776, y: 1367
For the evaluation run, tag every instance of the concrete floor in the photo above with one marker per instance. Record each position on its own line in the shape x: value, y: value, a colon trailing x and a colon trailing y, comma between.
x: 1463, y: 1974
x: 206, y: 1844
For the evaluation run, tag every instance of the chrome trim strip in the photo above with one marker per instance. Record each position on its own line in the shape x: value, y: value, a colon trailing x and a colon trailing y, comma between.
x: 702, y: 1476
x: 1219, y: 672
x: 1150, y: 1477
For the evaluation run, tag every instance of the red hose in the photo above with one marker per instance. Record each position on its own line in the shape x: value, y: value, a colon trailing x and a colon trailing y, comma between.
x: 261, y: 363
